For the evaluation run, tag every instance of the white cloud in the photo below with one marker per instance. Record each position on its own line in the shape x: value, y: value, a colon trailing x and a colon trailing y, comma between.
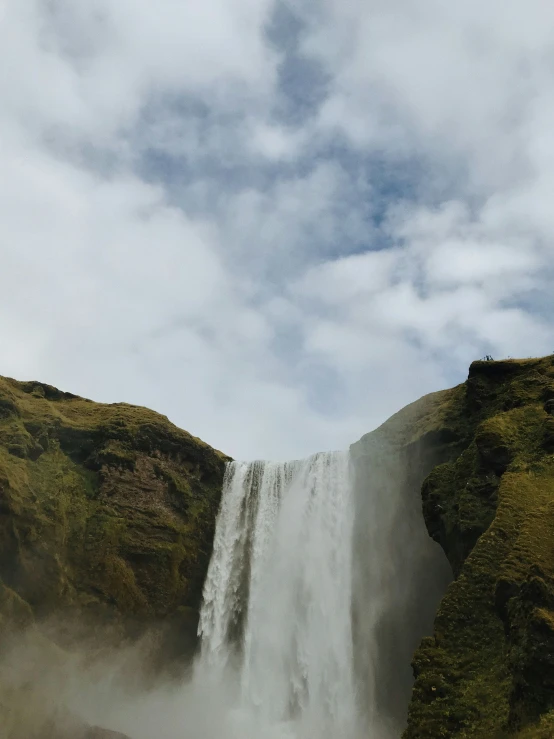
x: 275, y: 283
x: 459, y: 262
x: 346, y: 279
x: 90, y: 67
x: 275, y: 142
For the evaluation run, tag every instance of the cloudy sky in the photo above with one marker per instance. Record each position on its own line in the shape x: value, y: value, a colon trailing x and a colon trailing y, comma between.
x: 275, y: 222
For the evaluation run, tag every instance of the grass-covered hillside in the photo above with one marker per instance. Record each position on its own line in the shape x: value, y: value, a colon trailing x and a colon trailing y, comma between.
x: 488, y: 670
x: 107, y: 515
x: 107, y: 512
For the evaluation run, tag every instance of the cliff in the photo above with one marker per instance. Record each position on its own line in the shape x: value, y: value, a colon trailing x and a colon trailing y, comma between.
x: 488, y: 669
x: 400, y: 574
x: 107, y: 514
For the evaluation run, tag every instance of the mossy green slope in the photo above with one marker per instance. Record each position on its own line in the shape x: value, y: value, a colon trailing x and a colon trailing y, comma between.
x: 106, y: 511
x: 488, y: 669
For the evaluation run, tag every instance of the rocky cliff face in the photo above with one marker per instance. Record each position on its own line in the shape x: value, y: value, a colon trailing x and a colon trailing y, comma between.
x: 107, y: 513
x: 400, y: 574
x: 488, y: 669
x: 107, y: 516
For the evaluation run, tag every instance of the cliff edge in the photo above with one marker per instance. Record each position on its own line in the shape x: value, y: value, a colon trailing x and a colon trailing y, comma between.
x: 107, y: 516
x: 488, y: 669
x: 107, y: 513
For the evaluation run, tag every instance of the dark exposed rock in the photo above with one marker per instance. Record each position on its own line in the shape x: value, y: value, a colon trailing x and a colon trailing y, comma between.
x: 494, y: 453
x: 96, y: 732
x: 548, y: 436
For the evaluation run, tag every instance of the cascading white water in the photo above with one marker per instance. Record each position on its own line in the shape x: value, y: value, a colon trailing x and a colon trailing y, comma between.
x: 277, y: 598
x: 322, y: 581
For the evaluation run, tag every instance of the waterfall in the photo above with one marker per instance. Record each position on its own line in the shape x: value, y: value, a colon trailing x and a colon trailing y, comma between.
x: 278, y: 601
x: 322, y: 581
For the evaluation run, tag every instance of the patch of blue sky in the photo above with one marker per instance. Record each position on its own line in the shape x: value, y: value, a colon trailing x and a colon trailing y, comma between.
x: 369, y: 184
x: 537, y: 301
x: 302, y: 82
x: 324, y: 387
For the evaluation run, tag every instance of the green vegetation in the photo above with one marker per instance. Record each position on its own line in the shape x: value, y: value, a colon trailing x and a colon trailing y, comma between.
x: 488, y: 670
x: 107, y: 512
x: 107, y: 515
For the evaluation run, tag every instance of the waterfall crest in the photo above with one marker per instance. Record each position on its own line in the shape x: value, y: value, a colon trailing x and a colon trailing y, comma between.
x: 322, y: 581
x: 277, y: 598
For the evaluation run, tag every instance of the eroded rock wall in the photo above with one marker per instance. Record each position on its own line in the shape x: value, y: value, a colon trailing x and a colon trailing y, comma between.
x: 107, y: 513
x: 488, y: 669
